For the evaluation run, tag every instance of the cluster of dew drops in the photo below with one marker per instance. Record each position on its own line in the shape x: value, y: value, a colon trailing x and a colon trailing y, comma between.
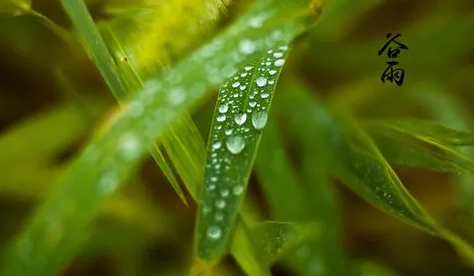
x: 232, y: 127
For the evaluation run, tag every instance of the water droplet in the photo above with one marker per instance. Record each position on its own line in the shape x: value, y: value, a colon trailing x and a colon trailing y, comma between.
x: 225, y: 193
x: 261, y: 81
x: 217, y: 145
x: 242, y: 87
x: 108, y: 183
x: 221, y: 118
x: 238, y: 190
x: 228, y: 132
x: 271, y: 82
x: 279, y: 62
x: 223, y: 108
x: 248, y: 68
x: 214, y: 233
x: 252, y: 103
x: 265, y: 95
x: 130, y: 146
x: 240, y: 118
x: 247, y: 46
x: 255, y: 22
x: 220, y: 203
x: 135, y: 109
x: 219, y: 216
x: 235, y: 84
x: 212, y: 187
x: 177, y: 96
x: 235, y: 144
x: 259, y: 120
x: 272, y: 72
x: 277, y: 55
x: 244, y: 75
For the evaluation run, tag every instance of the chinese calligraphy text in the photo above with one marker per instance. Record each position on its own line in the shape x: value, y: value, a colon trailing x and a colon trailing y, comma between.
x: 393, y: 48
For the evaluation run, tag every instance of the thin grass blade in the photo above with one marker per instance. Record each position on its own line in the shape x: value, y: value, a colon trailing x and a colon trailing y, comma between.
x: 241, y: 114
x: 405, y: 148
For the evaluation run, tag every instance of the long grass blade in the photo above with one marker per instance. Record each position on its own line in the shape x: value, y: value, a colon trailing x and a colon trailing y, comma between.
x: 241, y: 114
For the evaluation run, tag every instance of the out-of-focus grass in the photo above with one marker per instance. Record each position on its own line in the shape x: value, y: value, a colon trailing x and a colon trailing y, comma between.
x: 308, y: 147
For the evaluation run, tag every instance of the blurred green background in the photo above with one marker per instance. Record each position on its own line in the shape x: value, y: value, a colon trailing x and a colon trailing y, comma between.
x: 53, y: 99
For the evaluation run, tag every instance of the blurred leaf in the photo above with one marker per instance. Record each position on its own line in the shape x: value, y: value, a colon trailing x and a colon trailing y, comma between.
x: 257, y: 247
x: 424, y: 130
x: 30, y: 152
x: 277, y: 177
x: 57, y: 229
x: 362, y: 167
x: 446, y: 108
x: 374, y: 269
x: 323, y: 256
x: 408, y: 149
x: 233, y: 144
x: 309, y: 202
x: 275, y: 239
x: 155, y: 24
x: 245, y: 252
x: 15, y: 7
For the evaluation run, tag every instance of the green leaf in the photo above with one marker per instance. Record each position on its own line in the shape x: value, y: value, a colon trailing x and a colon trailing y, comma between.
x: 275, y: 239
x: 187, y: 152
x: 322, y: 256
x: 424, y: 130
x: 95, y: 45
x: 410, y: 148
x: 257, y: 247
x: 361, y: 166
x: 124, y: 80
x: 374, y: 269
x: 241, y: 113
x: 15, y: 7
x: 278, y: 179
x: 445, y: 107
x: 246, y: 254
x: 57, y: 228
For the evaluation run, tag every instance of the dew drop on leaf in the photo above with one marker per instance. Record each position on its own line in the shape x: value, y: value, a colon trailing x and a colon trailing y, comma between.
x: 279, y: 62
x: 221, y: 118
x: 216, y: 145
x: 223, y: 108
x: 259, y: 120
x: 235, y: 144
x: 246, y: 46
x: 214, y: 233
x: 261, y: 81
x: 240, y: 118
x: 278, y: 55
x: 238, y: 190
x: 220, y: 203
